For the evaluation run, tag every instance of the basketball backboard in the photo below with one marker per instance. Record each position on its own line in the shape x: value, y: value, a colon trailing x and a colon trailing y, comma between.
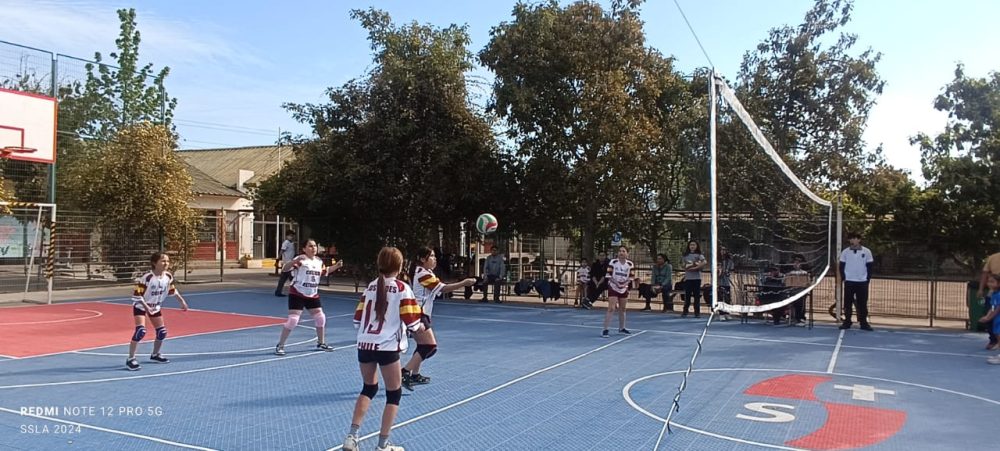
x: 27, y: 126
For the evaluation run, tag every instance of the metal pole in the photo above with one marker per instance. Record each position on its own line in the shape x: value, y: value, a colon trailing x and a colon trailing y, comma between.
x: 839, y: 290
x: 713, y: 189
x: 52, y: 167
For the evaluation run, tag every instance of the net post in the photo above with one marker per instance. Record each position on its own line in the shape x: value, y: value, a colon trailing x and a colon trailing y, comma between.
x: 839, y: 289
x: 713, y: 188
x: 50, y: 266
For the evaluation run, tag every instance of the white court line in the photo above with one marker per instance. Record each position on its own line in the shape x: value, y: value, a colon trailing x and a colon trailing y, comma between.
x: 176, y: 373
x: 494, y: 389
x: 51, y: 321
x: 836, y: 352
x: 102, y: 429
x: 8, y: 357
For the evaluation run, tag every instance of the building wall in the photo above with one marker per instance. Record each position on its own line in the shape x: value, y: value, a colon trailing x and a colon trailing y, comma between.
x: 237, y: 210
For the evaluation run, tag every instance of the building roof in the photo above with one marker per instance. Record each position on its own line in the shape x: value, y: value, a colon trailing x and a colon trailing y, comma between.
x: 224, y: 164
x: 202, y: 183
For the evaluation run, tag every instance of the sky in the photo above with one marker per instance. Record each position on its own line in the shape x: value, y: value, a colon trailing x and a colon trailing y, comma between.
x: 234, y: 63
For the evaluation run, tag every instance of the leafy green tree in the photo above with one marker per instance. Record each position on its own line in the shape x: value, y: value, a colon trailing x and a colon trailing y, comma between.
x: 811, y: 93
x: 962, y: 199
x: 573, y: 84
x: 397, y: 154
x: 112, y: 97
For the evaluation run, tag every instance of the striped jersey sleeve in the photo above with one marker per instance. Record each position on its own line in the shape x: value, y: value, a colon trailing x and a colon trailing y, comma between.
x: 358, y: 311
x: 409, y: 312
x: 428, y: 280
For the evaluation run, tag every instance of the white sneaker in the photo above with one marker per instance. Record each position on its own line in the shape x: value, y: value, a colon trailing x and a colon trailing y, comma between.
x: 995, y: 360
x: 351, y: 443
x: 390, y: 447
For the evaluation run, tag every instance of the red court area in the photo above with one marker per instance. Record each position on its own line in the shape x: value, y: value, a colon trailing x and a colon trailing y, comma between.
x: 49, y: 329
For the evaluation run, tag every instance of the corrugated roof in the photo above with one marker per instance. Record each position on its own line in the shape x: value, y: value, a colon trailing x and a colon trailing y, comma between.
x: 224, y: 164
x: 202, y: 183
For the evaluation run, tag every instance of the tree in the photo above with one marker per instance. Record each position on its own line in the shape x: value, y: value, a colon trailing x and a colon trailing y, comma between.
x: 962, y: 168
x: 575, y: 84
x: 112, y: 97
x: 812, y: 98
x: 143, y: 189
x: 407, y: 153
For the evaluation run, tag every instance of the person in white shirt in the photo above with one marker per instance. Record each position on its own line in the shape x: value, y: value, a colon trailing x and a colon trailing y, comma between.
x: 386, y: 310
x: 582, y: 280
x: 426, y: 288
x: 306, y: 270
x: 150, y: 291
x: 621, y: 275
x: 856, y: 270
x: 285, y: 255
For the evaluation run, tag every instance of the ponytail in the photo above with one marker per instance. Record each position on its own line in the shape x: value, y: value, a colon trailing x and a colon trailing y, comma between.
x: 390, y: 262
x: 381, y: 301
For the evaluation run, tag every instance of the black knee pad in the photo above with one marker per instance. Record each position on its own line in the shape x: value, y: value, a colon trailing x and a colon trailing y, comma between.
x: 140, y: 331
x: 370, y: 390
x: 426, y: 351
x: 393, y: 396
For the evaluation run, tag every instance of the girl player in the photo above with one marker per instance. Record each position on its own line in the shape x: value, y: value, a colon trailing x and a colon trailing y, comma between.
x: 426, y: 287
x: 620, y: 277
x: 150, y: 291
x: 582, y: 280
x: 386, y: 307
x: 304, y: 293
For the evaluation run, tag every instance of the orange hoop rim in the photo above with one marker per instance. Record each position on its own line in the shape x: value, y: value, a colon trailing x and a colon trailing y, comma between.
x: 17, y: 149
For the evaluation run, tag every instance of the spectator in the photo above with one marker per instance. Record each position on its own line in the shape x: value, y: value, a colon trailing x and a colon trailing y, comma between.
x: 772, y: 289
x: 693, y: 262
x: 495, y: 270
x: 662, y: 279
x: 726, y: 267
x: 797, y: 280
x: 582, y: 280
x: 993, y: 282
x: 990, y: 269
x: 286, y: 255
x: 856, y: 269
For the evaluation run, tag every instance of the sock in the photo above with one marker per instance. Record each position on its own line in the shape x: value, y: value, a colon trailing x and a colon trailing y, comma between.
x: 383, y: 440
x: 354, y: 429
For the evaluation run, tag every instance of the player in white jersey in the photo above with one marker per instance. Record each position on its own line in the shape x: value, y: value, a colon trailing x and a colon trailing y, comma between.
x: 306, y: 271
x: 150, y: 291
x: 426, y: 287
x: 620, y: 276
x: 386, y: 308
x: 582, y: 280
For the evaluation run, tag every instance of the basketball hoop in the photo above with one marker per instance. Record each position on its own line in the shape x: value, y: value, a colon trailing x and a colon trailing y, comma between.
x: 6, y: 151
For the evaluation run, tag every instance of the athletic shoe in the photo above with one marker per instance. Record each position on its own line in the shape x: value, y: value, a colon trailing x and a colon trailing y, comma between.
x: 866, y: 327
x: 279, y: 350
x: 419, y: 379
x: 323, y: 347
x: 604, y: 334
x: 407, y: 380
x: 992, y: 346
x: 800, y: 323
x: 390, y: 447
x: 159, y: 358
x: 624, y: 331
x: 351, y: 443
x: 278, y: 294
x: 845, y: 326
x: 132, y: 364
x: 995, y: 360
x: 646, y: 309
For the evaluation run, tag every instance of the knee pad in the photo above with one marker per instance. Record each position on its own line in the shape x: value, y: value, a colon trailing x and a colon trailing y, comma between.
x: 293, y: 320
x: 140, y: 331
x: 393, y: 396
x: 320, y: 319
x: 161, y: 333
x: 369, y: 390
x: 426, y: 351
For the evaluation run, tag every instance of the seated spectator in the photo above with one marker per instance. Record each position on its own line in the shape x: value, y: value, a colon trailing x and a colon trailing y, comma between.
x: 797, y: 279
x: 772, y: 289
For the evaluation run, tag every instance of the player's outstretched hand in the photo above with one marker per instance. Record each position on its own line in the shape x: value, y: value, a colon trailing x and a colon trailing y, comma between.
x: 469, y: 282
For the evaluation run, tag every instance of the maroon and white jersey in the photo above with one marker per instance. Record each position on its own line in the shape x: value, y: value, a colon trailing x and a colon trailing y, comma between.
x: 153, y: 289
x: 305, y: 277
x: 620, y: 275
x: 426, y: 288
x: 401, y: 313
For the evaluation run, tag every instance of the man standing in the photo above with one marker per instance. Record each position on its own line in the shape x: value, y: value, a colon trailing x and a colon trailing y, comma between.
x: 286, y: 254
x: 495, y: 271
x: 992, y: 267
x: 856, y: 270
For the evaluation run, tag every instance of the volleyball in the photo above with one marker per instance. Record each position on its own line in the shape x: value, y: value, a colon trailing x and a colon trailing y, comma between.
x: 486, y: 223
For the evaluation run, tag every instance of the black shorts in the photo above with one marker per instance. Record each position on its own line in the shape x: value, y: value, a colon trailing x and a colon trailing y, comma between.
x: 426, y: 321
x: 296, y: 302
x: 382, y: 358
x: 136, y: 311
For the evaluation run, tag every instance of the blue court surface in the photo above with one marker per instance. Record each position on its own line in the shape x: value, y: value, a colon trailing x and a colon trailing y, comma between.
x: 511, y: 377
